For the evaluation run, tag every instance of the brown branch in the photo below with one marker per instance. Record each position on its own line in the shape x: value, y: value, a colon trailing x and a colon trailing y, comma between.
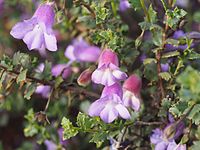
x: 148, y: 123
x: 63, y: 86
x: 87, y: 7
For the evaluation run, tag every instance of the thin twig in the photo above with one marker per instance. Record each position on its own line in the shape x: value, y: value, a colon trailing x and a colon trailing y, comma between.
x: 63, y: 86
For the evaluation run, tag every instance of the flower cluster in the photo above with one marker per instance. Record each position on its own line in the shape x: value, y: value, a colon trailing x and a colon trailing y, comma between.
x: 114, y: 98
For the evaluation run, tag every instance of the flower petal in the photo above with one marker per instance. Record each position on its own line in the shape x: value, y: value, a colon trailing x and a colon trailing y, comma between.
x: 108, y: 114
x: 96, y: 107
x: 156, y: 137
x: 69, y: 52
x: 50, y: 42
x: 161, y: 146
x: 119, y: 75
x: 21, y: 28
x: 34, y: 39
x: 123, y: 112
x: 89, y: 54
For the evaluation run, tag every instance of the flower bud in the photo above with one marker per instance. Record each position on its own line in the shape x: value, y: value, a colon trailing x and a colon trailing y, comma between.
x: 131, y: 95
x: 124, y: 5
x: 85, y: 77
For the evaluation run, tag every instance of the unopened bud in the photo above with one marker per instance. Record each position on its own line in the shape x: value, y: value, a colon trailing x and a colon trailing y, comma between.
x: 85, y: 77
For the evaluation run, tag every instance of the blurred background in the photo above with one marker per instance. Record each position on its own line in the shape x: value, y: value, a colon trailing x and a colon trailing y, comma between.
x: 17, y: 128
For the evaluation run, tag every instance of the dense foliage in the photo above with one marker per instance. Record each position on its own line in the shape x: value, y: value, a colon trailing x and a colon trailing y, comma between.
x: 99, y: 74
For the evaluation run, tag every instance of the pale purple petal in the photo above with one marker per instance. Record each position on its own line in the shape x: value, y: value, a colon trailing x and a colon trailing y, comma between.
x: 60, y: 134
x: 34, y: 38
x: 156, y: 137
x: 50, y: 145
x: 97, y: 106
x: 50, y: 42
x: 124, y: 5
x: 130, y: 100
x: 107, y: 78
x: 182, y: 147
x: 113, y: 89
x: 172, y: 146
x: 21, y: 28
x: 69, y: 52
x: 119, y: 75
x: 45, y: 13
x: 104, y: 75
x: 109, y: 114
x: 123, y: 112
x: 89, y: 54
x: 97, y: 76
x: 161, y: 146
x: 44, y: 90
x: 58, y: 69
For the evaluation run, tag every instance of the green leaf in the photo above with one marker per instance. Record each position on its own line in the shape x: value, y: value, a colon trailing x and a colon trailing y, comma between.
x: 195, y: 114
x: 195, y: 145
x: 101, y: 14
x: 190, y: 79
x: 196, y: 16
x: 21, y: 59
x: 171, y: 54
x: 149, y: 60
x: 136, y: 4
x: 85, y: 122
x: 30, y: 90
x: 193, y: 55
x: 172, y: 42
x: 47, y: 71
x: 69, y: 129
x: 22, y: 76
x: 58, y: 80
x: 166, y: 103
x: 165, y: 75
x: 174, y: 17
x: 99, y: 138
x: 153, y: 14
x: 178, y: 108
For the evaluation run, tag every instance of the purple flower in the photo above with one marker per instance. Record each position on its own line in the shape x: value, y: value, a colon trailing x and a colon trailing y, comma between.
x: 50, y: 145
x: 165, y: 67
x: 165, y: 139
x: 37, y: 32
x: 108, y: 71
x: 82, y: 51
x: 177, y: 35
x: 131, y: 95
x: 60, y: 135
x: 59, y: 69
x: 44, y: 90
x: 110, y: 105
x: 124, y: 5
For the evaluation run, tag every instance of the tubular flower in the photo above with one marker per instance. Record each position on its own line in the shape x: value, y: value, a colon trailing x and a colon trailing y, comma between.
x: 37, y: 32
x: 131, y: 95
x: 110, y: 105
x: 81, y: 51
x: 108, y: 71
x: 165, y: 139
